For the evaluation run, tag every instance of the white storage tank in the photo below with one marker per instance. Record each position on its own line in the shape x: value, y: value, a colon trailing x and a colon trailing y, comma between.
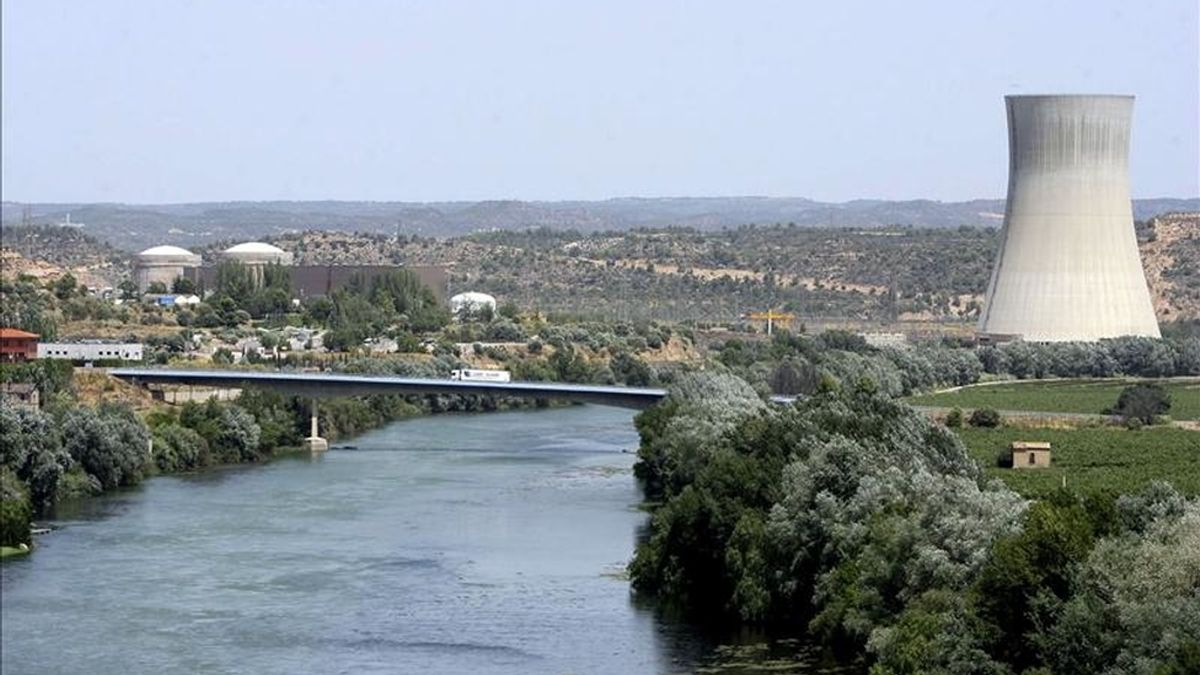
x: 257, y: 253
x: 162, y: 264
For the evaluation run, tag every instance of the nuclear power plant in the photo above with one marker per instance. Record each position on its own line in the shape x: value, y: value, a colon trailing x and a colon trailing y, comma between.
x: 1068, y: 267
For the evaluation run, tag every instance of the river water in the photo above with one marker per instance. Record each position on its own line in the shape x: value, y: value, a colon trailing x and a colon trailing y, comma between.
x: 486, y: 543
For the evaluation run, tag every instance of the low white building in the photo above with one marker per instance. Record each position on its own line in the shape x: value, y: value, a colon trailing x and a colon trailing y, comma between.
x: 885, y: 339
x: 90, y: 351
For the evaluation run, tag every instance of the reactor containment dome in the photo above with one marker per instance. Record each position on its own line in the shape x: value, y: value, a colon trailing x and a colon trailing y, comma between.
x: 1068, y: 267
x: 162, y: 264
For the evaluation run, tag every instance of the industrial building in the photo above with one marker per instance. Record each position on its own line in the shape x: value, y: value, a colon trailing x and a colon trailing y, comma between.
x: 166, y: 263
x: 1068, y: 267
x: 162, y: 264
x: 310, y: 281
x: 90, y: 351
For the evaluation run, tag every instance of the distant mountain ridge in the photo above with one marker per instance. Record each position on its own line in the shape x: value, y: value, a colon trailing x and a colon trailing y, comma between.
x: 135, y: 226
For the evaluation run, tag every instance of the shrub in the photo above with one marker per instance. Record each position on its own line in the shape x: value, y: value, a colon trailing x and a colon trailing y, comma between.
x: 954, y: 418
x: 1143, y: 402
x: 985, y: 417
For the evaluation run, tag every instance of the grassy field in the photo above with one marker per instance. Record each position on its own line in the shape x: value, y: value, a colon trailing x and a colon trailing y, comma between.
x: 1094, y: 458
x: 1066, y: 396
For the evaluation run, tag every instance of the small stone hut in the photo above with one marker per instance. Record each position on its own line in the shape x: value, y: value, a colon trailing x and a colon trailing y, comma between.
x: 1030, y: 454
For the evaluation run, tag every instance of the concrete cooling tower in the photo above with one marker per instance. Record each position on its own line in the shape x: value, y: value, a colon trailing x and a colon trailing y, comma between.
x: 1068, y: 267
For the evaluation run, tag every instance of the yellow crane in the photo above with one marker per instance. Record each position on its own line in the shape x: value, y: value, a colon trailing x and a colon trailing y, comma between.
x: 772, y: 317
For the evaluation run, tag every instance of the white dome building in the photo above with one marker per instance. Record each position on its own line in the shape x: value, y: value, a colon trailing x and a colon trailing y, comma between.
x: 256, y: 256
x: 162, y: 264
x: 257, y: 253
x: 466, y: 304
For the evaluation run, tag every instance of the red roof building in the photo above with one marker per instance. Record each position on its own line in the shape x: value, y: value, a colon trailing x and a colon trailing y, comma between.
x: 17, y: 346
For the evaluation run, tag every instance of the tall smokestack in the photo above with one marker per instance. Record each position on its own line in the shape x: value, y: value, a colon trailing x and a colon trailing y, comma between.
x: 1068, y: 267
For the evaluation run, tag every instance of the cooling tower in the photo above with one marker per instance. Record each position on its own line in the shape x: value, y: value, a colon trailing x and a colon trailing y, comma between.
x: 1068, y: 267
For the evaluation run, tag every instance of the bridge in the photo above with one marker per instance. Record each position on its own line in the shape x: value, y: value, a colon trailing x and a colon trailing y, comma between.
x: 321, y: 385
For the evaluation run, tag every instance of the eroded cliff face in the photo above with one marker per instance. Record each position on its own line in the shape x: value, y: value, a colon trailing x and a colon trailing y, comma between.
x: 1170, y: 249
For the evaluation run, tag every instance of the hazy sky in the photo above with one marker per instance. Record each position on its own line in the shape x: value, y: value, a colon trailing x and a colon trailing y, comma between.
x: 168, y: 101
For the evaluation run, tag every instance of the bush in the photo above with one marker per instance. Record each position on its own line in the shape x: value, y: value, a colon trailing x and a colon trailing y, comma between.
x: 954, y: 418
x: 985, y: 417
x: 1143, y: 402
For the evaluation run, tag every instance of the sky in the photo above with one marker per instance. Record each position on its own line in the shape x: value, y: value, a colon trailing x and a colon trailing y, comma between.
x: 163, y: 101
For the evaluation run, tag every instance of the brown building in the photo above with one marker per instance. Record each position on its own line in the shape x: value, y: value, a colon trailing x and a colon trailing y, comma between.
x: 17, y: 346
x: 1030, y: 454
x: 310, y: 281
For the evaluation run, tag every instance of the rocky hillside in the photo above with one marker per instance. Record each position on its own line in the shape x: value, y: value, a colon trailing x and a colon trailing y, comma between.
x: 881, y: 275
x: 1170, y: 247
x: 46, y: 252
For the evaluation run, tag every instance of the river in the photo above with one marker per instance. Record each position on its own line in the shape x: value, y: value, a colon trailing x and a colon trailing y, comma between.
x: 487, y: 543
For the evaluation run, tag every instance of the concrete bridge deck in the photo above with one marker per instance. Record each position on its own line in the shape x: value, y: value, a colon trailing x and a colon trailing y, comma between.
x: 326, y: 384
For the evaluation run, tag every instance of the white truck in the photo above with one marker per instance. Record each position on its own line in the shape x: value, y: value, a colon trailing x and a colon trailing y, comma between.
x: 468, y: 375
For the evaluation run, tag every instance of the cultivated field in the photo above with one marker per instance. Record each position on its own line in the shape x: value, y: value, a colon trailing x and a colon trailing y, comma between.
x: 1061, y: 396
x: 1095, y: 458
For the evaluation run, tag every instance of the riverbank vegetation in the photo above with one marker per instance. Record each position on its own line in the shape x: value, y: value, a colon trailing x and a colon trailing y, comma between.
x: 853, y: 518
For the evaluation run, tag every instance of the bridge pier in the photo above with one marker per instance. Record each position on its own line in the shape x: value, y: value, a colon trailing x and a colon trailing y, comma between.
x: 315, y: 443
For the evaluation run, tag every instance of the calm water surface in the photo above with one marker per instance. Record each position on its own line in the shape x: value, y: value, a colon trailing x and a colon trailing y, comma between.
x: 449, y: 544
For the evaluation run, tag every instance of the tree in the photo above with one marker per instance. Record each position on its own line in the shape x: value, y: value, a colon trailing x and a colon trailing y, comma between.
x: 15, y: 511
x: 128, y: 289
x: 509, y: 310
x: 792, y: 377
x: 234, y: 281
x: 183, y: 286
x: 238, y: 439
x: 1143, y: 402
x: 65, y: 286
x: 27, y: 306
x: 30, y: 448
x: 631, y: 370
x: 110, y: 443
x: 178, y: 448
x: 156, y: 288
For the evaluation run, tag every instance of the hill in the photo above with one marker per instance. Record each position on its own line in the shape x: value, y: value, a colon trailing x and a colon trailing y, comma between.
x: 135, y: 226
x: 871, y: 275
x: 45, y: 251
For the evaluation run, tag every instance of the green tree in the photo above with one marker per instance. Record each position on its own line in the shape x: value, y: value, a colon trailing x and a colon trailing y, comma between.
x: 15, y: 510
x: 110, y: 443
x: 183, y: 286
x: 1028, y: 575
x: 1143, y: 402
x: 31, y: 449
x: 65, y: 286
x: 985, y: 417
